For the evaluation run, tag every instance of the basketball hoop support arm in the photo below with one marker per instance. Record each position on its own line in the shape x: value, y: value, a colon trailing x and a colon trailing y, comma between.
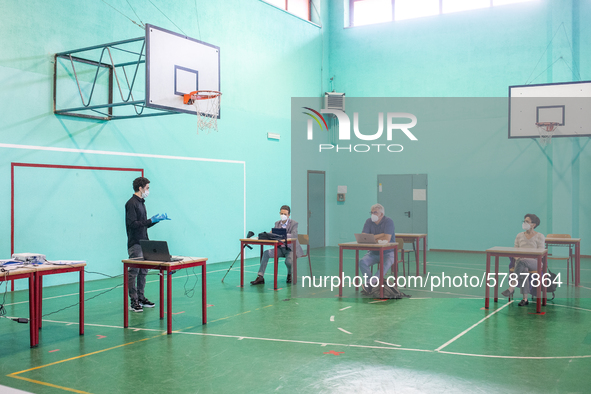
x: 93, y: 56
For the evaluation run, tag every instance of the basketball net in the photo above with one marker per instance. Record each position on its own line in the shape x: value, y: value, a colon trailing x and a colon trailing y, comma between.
x: 207, y: 108
x: 546, y: 130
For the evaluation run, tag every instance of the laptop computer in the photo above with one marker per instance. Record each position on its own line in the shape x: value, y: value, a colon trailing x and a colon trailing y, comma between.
x: 156, y: 251
x: 366, y: 238
x: 279, y: 231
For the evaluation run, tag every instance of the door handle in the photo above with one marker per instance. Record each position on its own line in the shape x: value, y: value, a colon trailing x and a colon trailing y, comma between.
x: 407, y: 213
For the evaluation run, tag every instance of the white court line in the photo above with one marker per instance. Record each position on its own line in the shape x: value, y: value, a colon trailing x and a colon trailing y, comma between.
x: 440, y: 292
x: 342, y: 309
x: 238, y: 337
x: 588, y: 288
x: 386, y: 343
x: 324, y: 344
x: 108, y: 288
x: 101, y: 325
x: 458, y: 267
x: 332, y: 318
x: 518, y: 357
x: 573, y: 307
x: 468, y: 329
x: 345, y: 331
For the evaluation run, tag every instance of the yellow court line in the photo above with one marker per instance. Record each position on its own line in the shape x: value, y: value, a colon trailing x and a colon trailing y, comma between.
x: 227, y: 317
x: 238, y: 314
x: 14, y: 374
x: 49, y: 384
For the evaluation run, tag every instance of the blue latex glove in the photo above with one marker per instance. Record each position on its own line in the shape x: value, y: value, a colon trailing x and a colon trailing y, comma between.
x: 159, y: 217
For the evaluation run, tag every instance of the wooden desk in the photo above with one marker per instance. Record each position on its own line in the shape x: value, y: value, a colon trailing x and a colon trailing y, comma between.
x: 52, y: 269
x: 416, y: 238
x: 275, y: 244
x: 570, y: 241
x: 35, y: 275
x: 166, y: 268
x: 22, y: 273
x: 376, y: 247
x: 498, y: 251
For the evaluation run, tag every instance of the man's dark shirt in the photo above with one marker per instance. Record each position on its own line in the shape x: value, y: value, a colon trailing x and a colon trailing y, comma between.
x: 136, y: 221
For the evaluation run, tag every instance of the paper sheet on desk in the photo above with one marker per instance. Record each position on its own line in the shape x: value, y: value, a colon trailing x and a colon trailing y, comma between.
x: 11, y: 263
x: 66, y: 262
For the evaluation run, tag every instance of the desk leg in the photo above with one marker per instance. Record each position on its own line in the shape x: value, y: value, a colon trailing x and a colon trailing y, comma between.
x: 424, y: 255
x: 578, y: 264
x: 33, y: 332
x: 276, y: 263
x: 381, y: 281
x: 486, y: 289
x: 356, y: 266
x: 341, y: 270
x: 241, y: 264
x: 539, y: 290
x: 162, y: 274
x: 125, y: 298
x: 81, y: 311
x: 417, y: 254
x: 39, y: 301
x: 545, y: 289
x: 294, y: 267
x: 204, y: 294
x: 496, y: 278
x: 396, y: 266
x: 168, y: 301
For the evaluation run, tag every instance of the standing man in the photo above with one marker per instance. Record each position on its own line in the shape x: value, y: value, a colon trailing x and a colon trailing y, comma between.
x: 137, y: 224
x: 383, y: 228
x: 291, y: 226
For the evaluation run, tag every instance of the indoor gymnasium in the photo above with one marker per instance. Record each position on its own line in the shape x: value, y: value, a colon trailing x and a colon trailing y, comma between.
x: 297, y: 196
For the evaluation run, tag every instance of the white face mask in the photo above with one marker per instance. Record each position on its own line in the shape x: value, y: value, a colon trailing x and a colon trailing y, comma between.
x: 526, y: 226
x: 283, y: 218
x: 374, y: 218
x: 145, y: 194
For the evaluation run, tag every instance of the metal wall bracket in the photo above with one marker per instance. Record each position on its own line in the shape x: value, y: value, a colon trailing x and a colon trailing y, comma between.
x: 94, y: 73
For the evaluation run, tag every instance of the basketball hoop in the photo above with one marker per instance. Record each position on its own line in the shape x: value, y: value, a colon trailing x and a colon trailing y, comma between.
x: 546, y: 130
x: 207, y: 107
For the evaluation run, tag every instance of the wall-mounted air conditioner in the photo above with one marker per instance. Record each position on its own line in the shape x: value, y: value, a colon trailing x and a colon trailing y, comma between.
x: 334, y: 100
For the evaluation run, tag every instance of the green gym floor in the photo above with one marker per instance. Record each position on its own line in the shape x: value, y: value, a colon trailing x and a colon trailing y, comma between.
x: 259, y: 341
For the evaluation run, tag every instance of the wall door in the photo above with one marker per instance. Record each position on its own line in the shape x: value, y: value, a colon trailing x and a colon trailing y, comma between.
x: 316, y: 209
x: 404, y: 198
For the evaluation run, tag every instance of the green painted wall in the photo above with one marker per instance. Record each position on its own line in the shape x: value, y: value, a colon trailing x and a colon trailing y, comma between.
x: 267, y: 56
x: 480, y: 182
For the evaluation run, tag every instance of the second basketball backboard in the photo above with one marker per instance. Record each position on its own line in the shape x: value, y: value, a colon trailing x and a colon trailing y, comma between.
x: 568, y: 104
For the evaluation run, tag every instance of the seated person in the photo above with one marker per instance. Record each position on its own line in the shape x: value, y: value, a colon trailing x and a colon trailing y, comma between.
x: 383, y: 228
x: 291, y: 227
x: 527, y: 239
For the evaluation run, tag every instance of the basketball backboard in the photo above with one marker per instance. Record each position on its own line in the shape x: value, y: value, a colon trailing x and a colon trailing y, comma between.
x: 178, y: 65
x: 138, y: 77
x: 568, y: 104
